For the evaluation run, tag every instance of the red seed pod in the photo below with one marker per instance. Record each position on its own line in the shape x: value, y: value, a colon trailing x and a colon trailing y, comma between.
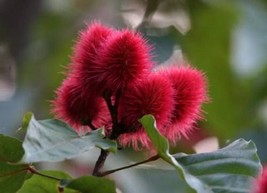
x: 261, y: 183
x: 85, y: 53
x: 153, y: 95
x: 77, y: 106
x: 123, y: 60
x: 189, y: 85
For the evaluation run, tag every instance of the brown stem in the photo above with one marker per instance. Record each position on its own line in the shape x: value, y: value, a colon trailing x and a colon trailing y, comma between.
x: 115, y: 132
x: 116, y: 105
x: 90, y: 124
x: 100, y: 162
x: 111, y: 108
x: 129, y: 166
x: 35, y: 171
x: 151, y: 8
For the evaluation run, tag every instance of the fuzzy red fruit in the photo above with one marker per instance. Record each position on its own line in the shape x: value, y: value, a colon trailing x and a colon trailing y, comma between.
x: 261, y: 186
x: 123, y: 60
x: 153, y: 95
x: 86, y: 52
x: 190, y: 93
x: 78, y: 106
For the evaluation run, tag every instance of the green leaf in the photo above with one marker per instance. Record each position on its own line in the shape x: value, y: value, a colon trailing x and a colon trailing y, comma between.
x: 39, y: 184
x: 160, y: 142
x: 151, y: 176
x: 89, y: 184
x: 54, y: 140
x: 12, y: 177
x: 25, y: 121
x: 162, y: 146
x: 232, y: 167
x: 10, y: 149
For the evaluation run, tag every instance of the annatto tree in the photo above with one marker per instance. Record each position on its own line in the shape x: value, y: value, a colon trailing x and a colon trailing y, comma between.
x: 113, y: 97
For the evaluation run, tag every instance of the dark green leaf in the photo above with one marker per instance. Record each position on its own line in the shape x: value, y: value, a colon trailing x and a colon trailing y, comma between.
x: 10, y: 149
x: 39, y: 184
x: 89, y: 184
x: 12, y: 177
x: 231, y: 168
x: 54, y: 140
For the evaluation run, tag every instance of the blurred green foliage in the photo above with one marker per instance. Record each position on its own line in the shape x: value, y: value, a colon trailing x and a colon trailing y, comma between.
x: 207, y: 46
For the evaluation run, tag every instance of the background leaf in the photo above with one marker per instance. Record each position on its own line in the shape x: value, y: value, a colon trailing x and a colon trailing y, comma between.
x: 232, y: 168
x: 88, y: 184
x: 41, y: 184
x: 162, y: 146
x: 151, y: 176
x: 12, y: 177
x: 10, y: 149
x: 54, y: 140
